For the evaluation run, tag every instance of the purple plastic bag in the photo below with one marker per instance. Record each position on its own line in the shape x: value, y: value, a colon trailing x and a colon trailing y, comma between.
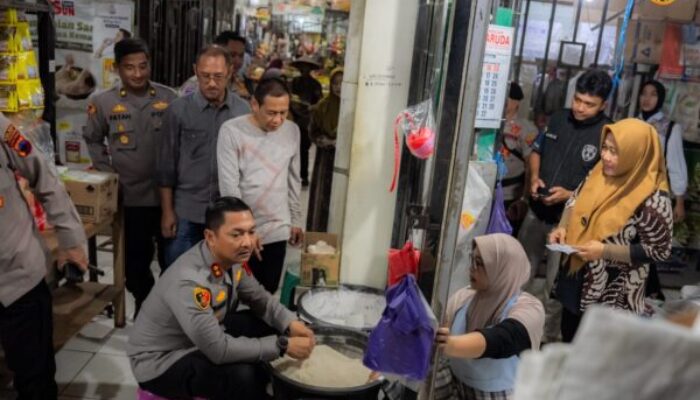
x: 498, y: 223
x: 402, y: 342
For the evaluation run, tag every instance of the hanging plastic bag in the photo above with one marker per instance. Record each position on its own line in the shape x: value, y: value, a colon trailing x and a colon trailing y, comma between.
x: 498, y: 223
x: 402, y: 342
x: 477, y: 197
x: 402, y: 262
x: 417, y: 124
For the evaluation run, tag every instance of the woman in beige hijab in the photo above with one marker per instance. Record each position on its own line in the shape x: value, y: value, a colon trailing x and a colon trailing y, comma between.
x: 619, y: 221
x: 492, y: 320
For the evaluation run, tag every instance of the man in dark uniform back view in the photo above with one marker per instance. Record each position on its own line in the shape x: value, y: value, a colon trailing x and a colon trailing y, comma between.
x: 129, y: 116
x: 26, y: 327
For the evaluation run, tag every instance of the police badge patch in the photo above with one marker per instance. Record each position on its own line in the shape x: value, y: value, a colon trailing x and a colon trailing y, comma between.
x: 202, y: 297
x: 17, y: 142
x: 589, y: 153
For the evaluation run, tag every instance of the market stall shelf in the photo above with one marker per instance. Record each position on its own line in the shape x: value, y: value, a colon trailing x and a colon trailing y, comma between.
x: 75, y: 306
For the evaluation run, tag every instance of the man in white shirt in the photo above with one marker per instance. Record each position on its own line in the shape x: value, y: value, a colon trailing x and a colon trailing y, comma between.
x: 258, y: 160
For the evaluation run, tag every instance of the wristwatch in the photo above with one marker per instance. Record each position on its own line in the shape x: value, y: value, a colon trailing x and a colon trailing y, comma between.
x: 282, y: 343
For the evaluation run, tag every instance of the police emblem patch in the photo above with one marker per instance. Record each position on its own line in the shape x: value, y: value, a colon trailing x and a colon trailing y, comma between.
x: 17, y: 142
x: 202, y: 297
x: 589, y: 152
x: 160, y: 105
x: 119, y: 109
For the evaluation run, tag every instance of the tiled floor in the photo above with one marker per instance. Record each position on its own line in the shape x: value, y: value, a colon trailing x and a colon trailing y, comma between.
x: 93, y: 364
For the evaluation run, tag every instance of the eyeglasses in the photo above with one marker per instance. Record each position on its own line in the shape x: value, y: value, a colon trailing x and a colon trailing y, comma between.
x: 476, y: 263
x: 217, y: 78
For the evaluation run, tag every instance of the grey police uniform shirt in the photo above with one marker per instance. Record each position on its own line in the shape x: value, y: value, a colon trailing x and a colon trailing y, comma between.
x: 23, y: 255
x: 187, y: 151
x: 130, y: 125
x: 173, y: 322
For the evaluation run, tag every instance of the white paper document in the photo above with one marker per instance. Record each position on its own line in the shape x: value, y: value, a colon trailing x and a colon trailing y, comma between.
x: 561, y: 248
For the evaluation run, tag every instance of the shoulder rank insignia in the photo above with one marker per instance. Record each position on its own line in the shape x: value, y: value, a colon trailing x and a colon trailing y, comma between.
x: 91, y: 109
x: 119, y: 109
x: 216, y: 271
x: 160, y: 105
x: 202, y: 297
x: 17, y: 142
x: 221, y: 296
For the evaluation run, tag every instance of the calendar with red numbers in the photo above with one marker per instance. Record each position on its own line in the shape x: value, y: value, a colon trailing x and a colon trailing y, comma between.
x: 494, y: 77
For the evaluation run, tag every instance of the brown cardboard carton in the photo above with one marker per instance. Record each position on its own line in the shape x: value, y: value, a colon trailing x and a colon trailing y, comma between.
x: 681, y: 10
x: 649, y: 41
x: 678, y: 10
x: 94, y: 193
x: 320, y: 269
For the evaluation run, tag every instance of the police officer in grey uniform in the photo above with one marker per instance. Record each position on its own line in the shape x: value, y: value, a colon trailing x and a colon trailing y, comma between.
x: 129, y: 117
x: 190, y: 341
x: 26, y: 330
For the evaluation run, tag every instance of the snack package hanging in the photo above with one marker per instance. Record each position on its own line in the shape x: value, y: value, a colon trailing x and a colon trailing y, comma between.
x: 23, y: 37
x: 8, y: 97
x: 417, y: 124
x: 7, y: 39
x: 407, y: 323
x: 402, y: 262
x: 8, y: 68
x: 27, y: 67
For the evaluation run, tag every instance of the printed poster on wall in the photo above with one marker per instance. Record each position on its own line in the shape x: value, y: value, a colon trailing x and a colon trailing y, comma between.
x: 494, y: 77
x: 86, y: 31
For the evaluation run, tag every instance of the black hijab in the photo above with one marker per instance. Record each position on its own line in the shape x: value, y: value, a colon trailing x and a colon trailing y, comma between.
x: 661, y: 97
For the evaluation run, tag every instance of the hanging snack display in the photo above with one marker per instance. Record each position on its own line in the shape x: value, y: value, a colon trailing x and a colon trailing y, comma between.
x: 20, y: 87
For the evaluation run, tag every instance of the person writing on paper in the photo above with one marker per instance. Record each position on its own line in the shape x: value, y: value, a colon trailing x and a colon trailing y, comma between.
x: 491, y: 321
x: 619, y: 221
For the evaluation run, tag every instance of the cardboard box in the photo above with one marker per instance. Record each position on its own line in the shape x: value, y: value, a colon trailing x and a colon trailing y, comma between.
x: 678, y: 10
x: 320, y: 269
x: 644, y: 41
x: 94, y: 193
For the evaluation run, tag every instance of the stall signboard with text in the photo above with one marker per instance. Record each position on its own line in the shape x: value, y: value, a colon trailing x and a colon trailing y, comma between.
x: 494, y: 77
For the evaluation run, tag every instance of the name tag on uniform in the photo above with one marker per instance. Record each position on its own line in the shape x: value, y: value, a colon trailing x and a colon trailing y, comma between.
x: 552, y: 135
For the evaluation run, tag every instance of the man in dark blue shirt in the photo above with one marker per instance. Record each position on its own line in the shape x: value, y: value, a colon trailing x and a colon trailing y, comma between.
x: 559, y: 163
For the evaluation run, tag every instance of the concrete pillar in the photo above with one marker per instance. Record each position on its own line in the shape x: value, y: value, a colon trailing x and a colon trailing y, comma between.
x: 361, y: 205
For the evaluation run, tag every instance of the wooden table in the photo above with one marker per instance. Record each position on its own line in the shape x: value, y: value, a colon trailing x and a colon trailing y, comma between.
x: 75, y: 306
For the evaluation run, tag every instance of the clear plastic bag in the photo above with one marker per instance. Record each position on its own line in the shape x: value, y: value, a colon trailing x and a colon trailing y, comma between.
x: 417, y: 125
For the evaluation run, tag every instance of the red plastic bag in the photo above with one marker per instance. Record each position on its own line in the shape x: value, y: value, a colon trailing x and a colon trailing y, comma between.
x: 403, y: 262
